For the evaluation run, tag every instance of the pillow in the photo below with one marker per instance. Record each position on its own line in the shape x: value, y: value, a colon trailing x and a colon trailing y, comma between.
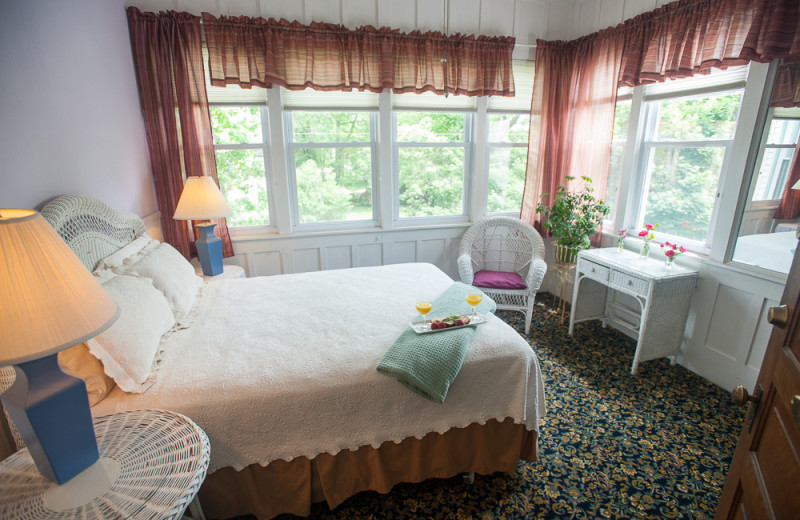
x: 171, y: 274
x: 141, y: 243
x: 79, y: 362
x: 498, y: 280
x: 129, y: 349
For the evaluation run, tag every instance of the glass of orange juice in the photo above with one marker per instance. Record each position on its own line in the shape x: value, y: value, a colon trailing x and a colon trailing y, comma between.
x: 424, y: 306
x: 474, y: 298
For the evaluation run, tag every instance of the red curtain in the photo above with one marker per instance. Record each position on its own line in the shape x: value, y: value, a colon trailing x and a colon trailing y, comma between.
x: 676, y: 40
x: 254, y: 51
x: 168, y: 60
x: 572, y: 116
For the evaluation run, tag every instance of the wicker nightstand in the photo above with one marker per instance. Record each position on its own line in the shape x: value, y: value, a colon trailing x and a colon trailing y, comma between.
x: 228, y: 272
x: 151, y: 465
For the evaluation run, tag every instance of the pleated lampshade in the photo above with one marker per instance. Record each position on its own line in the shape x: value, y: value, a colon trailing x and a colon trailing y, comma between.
x: 201, y: 200
x: 49, y: 301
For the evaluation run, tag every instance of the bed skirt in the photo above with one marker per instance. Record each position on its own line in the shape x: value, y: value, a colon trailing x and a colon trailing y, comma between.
x: 291, y: 487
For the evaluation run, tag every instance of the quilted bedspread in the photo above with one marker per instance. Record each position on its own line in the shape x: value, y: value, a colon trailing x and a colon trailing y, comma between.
x: 284, y: 366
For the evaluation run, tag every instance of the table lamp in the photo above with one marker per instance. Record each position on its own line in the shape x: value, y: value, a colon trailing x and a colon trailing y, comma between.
x: 202, y: 200
x: 49, y: 302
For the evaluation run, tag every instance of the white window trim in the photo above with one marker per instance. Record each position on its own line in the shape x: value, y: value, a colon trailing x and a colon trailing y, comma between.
x: 265, y: 147
x: 466, y: 144
x: 291, y: 146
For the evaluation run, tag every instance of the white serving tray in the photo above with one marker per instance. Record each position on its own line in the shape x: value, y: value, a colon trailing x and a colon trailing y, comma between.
x: 424, y: 327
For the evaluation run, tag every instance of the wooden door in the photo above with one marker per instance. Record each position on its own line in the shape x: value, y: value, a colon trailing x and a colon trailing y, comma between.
x: 764, y: 478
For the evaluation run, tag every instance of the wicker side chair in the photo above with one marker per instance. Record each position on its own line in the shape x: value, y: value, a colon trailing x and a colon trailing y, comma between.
x: 498, y: 253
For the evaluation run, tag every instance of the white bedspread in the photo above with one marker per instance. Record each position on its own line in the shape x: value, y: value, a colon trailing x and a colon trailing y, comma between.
x: 284, y: 366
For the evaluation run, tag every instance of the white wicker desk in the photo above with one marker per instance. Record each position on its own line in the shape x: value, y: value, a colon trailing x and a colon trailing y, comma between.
x: 160, y: 459
x: 663, y: 295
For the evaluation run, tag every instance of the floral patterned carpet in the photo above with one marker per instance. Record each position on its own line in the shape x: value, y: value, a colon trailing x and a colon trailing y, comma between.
x: 656, y: 445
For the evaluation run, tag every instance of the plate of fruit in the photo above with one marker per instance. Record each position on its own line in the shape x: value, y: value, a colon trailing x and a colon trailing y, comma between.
x: 455, y: 321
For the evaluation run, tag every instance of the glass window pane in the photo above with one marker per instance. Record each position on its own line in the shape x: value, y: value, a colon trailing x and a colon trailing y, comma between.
x: 430, y: 127
x: 334, y: 184
x: 241, y: 177
x: 622, y: 114
x: 773, y: 174
x: 330, y: 127
x: 236, y: 125
x: 506, y: 178
x: 509, y: 128
x: 682, y: 189
x: 698, y: 118
x: 431, y: 181
x: 784, y: 131
x: 614, y: 173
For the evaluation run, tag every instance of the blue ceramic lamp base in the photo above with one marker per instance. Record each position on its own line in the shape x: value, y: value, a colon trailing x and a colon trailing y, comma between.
x: 209, y: 249
x: 51, y: 411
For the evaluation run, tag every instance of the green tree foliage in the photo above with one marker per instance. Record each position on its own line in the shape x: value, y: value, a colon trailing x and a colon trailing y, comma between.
x: 241, y: 171
x: 684, y: 180
x: 431, y: 180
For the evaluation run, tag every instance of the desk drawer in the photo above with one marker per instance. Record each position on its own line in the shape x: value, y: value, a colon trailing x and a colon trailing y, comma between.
x: 595, y: 271
x: 629, y: 283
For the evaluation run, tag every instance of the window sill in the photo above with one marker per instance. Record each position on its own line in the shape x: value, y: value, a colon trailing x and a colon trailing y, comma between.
x: 264, y: 233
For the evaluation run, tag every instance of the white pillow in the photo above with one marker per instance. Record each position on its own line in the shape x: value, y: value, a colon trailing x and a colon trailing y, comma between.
x: 130, y: 347
x: 171, y: 273
x: 140, y: 244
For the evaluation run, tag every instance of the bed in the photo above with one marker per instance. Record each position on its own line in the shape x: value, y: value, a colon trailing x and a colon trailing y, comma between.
x: 773, y: 251
x: 280, y: 372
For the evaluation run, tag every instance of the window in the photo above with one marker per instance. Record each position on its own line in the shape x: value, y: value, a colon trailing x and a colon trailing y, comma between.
x: 240, y: 147
x: 331, y: 157
x: 431, y: 162
x: 687, y: 139
x: 777, y: 154
x: 508, y: 157
x: 509, y: 121
x: 622, y: 114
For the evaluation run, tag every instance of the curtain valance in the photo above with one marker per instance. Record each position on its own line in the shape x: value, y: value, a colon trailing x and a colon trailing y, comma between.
x: 687, y: 37
x: 256, y: 52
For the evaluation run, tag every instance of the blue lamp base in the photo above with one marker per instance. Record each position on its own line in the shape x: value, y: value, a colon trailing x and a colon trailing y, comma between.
x: 209, y: 249
x: 51, y: 412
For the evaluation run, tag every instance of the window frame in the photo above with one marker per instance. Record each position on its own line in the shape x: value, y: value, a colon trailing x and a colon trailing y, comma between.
x: 502, y: 144
x: 265, y: 147
x: 635, y: 161
x: 291, y: 146
x: 468, y: 145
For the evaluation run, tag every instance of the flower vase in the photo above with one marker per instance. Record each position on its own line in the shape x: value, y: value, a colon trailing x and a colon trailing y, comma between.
x: 670, y: 260
x: 645, y: 252
x: 621, y: 244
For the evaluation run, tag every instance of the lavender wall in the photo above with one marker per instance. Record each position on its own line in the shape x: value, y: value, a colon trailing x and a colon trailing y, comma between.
x: 69, y: 108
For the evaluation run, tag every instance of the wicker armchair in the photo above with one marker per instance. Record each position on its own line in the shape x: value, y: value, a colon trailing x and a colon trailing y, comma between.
x: 509, y: 250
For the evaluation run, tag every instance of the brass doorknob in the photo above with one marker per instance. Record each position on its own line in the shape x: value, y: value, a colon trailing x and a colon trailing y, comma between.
x: 741, y: 396
x: 778, y: 316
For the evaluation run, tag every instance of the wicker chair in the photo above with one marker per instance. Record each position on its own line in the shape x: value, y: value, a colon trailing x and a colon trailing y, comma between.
x: 505, y: 246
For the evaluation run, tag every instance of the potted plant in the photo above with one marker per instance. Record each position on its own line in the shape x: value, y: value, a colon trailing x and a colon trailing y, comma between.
x: 572, y: 219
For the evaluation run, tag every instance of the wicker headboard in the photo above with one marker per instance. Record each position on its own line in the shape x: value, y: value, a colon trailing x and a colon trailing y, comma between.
x: 91, y: 228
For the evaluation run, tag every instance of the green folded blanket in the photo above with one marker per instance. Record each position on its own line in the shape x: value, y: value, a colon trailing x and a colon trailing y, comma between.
x: 428, y: 363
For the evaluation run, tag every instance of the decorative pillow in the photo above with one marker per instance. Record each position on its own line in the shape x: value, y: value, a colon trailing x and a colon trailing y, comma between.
x: 171, y: 273
x: 79, y: 362
x: 140, y: 244
x: 498, y: 280
x: 129, y: 349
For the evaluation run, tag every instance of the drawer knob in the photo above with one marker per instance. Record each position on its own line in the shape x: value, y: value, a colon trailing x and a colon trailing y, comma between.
x: 630, y: 282
x: 593, y: 269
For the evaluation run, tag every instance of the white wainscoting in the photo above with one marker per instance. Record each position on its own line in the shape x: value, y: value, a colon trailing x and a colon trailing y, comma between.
x: 298, y: 253
x: 727, y: 333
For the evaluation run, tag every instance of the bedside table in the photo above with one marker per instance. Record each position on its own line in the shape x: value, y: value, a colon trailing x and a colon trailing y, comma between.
x: 228, y: 272
x: 151, y: 465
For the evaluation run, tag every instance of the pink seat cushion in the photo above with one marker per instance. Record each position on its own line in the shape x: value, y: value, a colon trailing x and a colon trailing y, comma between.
x: 498, y: 280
